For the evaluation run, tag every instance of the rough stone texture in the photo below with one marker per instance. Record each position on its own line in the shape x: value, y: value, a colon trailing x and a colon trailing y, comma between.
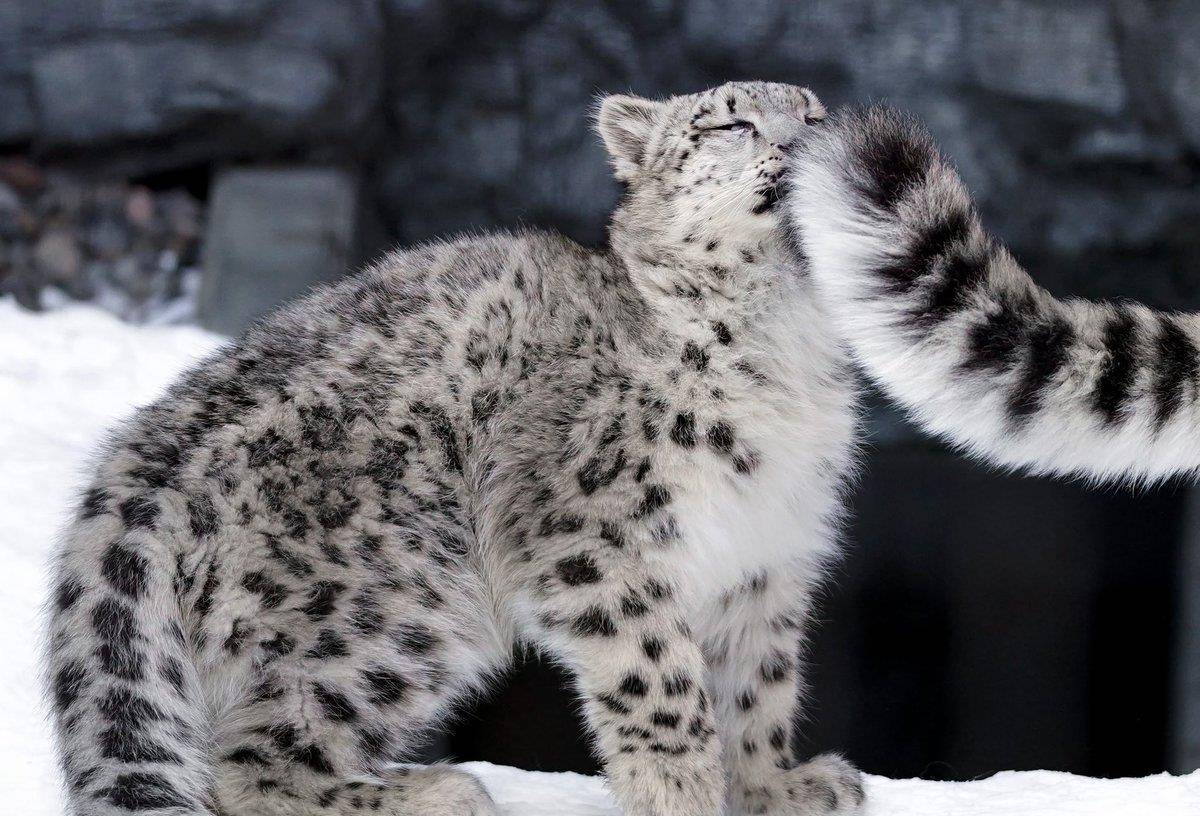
x: 1077, y: 123
x: 140, y: 86
x: 272, y: 234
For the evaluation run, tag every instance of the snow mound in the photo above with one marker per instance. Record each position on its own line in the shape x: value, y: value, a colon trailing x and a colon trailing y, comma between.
x: 68, y: 375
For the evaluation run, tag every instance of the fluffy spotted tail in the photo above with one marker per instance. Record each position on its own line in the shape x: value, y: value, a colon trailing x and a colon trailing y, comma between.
x: 949, y: 325
x: 132, y: 733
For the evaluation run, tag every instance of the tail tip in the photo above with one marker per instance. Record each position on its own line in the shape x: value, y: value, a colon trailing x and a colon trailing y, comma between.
x: 886, y: 152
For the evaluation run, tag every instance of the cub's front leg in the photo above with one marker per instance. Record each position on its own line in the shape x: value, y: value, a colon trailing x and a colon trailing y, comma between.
x: 618, y: 624
x: 752, y: 642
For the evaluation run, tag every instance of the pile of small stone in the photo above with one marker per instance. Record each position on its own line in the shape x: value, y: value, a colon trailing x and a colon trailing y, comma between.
x: 128, y: 249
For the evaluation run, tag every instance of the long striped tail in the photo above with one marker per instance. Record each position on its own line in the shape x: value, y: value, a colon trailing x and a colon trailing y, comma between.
x: 943, y: 318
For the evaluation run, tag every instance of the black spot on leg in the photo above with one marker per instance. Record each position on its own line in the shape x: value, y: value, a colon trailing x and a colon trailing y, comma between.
x: 172, y: 671
x: 657, y: 590
x: 139, y: 511
x: 778, y: 738
x: 322, y: 599
x: 272, y: 592
x: 774, y: 668
x: 747, y: 700
x: 67, y: 593
x: 238, y: 632
x: 597, y: 472
x: 655, y: 498
x: 95, y: 503
x: 613, y: 704
x: 247, y: 756
x: 665, y: 719
x: 329, y: 645
x: 69, y: 682
x: 634, y: 686
x: 124, y: 741
x: 202, y: 516
x: 578, y: 569
x: 632, y: 606
x: 124, y: 569
x: 143, y: 790
x: 643, y: 470
x: 336, y: 706
x: 593, y: 622
x: 684, y: 431
x: 694, y: 356
x: 721, y: 437
x: 373, y: 743
x: 385, y: 686
x: 653, y: 648
x: 367, y: 616
x: 676, y: 685
x: 724, y: 336
x: 114, y: 624
x: 279, y: 646
x: 414, y: 637
x: 314, y: 759
x: 611, y: 534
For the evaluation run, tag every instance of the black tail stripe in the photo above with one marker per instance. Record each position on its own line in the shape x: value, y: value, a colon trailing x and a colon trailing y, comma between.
x: 993, y: 344
x: 1049, y: 350
x: 964, y: 274
x: 937, y: 240
x: 1114, y: 383
x: 1175, y: 366
x: 893, y: 159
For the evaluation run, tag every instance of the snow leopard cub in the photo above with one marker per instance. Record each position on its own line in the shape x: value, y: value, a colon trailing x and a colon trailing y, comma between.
x: 294, y: 564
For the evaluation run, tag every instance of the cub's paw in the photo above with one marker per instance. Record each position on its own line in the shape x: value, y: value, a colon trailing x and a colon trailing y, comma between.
x: 824, y: 786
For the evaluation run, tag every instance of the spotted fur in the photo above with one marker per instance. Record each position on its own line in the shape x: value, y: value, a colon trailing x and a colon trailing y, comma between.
x: 941, y: 316
x: 291, y: 567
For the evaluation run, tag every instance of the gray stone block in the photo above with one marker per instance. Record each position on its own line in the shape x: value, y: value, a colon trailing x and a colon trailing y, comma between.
x: 273, y: 234
x: 99, y: 91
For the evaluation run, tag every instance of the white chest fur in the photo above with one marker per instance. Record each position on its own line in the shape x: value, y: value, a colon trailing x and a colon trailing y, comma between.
x: 800, y: 429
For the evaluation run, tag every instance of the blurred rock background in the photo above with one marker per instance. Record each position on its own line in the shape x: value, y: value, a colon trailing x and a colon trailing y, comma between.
x: 982, y: 622
x: 1076, y: 122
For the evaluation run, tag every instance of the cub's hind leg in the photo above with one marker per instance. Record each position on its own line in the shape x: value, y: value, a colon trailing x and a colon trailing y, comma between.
x: 752, y: 641
x: 339, y: 680
x: 323, y: 725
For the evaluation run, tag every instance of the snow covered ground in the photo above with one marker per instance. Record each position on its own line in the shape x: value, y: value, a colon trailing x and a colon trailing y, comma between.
x: 67, y: 375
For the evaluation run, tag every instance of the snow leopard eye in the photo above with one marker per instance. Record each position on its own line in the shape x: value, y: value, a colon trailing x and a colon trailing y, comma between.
x: 740, y: 126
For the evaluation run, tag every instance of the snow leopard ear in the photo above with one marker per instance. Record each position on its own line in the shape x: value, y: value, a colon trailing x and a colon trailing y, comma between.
x: 625, y: 123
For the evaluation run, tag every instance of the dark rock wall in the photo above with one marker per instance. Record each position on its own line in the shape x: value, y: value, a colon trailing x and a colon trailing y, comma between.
x: 1076, y: 122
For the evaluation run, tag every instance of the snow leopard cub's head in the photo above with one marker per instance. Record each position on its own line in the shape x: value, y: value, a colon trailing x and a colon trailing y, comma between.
x: 706, y: 167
